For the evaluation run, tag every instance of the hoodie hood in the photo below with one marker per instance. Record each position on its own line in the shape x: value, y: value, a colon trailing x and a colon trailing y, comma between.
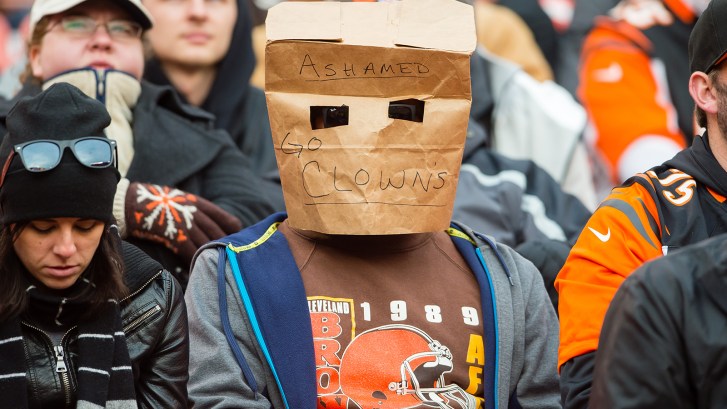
x: 699, y: 162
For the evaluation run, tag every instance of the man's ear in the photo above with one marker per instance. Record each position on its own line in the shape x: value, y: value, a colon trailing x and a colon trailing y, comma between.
x: 703, y: 92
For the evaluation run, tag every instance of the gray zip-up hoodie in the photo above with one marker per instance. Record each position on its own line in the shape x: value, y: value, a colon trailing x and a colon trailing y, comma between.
x: 526, y: 329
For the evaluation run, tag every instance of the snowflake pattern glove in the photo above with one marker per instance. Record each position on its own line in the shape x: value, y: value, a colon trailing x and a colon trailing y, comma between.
x: 181, y: 221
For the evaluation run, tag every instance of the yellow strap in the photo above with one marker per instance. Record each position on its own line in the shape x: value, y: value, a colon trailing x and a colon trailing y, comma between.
x: 457, y: 233
x: 272, y: 229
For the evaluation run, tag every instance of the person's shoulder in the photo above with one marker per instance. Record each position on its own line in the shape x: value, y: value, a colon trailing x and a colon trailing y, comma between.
x: 676, y: 281
x: 208, y: 253
x: 662, y: 185
x: 485, y: 243
x: 248, y: 238
x: 683, y: 267
x: 6, y: 104
x: 161, y: 107
x: 141, y: 271
x: 255, y: 235
x: 162, y: 291
x: 615, y: 34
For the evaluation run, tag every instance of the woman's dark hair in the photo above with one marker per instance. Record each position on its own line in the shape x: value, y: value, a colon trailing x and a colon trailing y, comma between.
x: 105, y: 271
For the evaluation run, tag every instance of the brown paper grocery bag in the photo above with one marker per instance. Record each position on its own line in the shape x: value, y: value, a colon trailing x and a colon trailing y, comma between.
x: 368, y: 105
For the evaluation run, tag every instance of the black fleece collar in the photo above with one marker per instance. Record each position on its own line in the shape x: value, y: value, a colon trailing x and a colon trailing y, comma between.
x: 699, y: 162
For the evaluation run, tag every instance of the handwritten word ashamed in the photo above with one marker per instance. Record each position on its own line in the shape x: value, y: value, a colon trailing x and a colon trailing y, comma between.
x: 370, y: 70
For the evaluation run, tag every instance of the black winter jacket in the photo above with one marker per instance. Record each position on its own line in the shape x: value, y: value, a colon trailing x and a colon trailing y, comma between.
x: 664, y: 338
x: 238, y: 107
x: 154, y: 318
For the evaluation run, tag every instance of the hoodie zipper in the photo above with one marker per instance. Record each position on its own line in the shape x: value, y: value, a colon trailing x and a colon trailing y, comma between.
x: 61, y: 365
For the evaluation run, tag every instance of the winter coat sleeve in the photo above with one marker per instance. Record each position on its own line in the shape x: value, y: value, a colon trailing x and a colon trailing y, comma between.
x: 230, y: 183
x: 576, y: 378
x: 532, y: 202
x: 620, y: 236
x: 537, y: 386
x: 641, y: 361
x: 162, y: 378
x: 216, y: 380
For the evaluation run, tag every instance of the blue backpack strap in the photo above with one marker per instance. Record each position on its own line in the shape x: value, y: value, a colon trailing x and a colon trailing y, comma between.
x: 254, y: 322
x: 225, y: 318
x: 470, y: 248
x: 272, y: 291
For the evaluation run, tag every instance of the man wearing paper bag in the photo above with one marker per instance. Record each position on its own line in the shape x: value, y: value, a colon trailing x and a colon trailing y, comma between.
x: 364, y: 295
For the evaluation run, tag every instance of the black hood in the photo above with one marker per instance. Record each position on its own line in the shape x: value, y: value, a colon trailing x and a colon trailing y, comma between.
x: 699, y: 162
x: 231, y: 85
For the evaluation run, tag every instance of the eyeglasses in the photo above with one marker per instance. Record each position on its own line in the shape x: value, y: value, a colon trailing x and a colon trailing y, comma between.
x: 84, y: 26
x: 43, y: 155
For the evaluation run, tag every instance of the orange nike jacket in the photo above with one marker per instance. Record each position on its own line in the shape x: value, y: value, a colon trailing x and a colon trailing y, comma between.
x: 672, y: 205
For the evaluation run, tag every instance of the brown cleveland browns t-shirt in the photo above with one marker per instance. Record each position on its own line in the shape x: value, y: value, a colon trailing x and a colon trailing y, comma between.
x: 397, y: 320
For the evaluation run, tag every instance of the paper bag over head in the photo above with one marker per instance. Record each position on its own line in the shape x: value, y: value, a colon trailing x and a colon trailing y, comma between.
x: 368, y: 105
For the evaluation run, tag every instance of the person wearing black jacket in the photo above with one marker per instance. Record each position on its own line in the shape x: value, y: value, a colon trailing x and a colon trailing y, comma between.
x: 664, y: 336
x: 86, y: 320
x: 204, y: 50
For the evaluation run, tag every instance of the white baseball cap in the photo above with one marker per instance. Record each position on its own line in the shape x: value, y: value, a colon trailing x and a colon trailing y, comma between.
x: 42, y: 8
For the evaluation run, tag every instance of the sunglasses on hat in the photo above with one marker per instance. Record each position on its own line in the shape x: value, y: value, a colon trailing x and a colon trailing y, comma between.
x: 44, y: 154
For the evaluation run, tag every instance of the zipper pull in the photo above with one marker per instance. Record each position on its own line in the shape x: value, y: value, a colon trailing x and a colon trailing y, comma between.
x: 60, y: 363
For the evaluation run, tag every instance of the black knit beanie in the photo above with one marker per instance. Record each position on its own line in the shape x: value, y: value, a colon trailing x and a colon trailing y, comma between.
x: 62, y: 112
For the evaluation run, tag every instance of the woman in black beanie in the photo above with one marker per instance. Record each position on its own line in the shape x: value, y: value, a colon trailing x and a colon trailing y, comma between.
x: 86, y: 320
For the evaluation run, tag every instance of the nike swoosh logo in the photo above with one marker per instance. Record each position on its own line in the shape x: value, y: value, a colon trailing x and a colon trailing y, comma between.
x: 612, y: 73
x: 603, y: 237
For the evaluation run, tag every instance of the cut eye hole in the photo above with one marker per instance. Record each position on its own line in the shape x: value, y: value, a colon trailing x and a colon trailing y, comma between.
x: 407, y: 109
x: 328, y: 117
